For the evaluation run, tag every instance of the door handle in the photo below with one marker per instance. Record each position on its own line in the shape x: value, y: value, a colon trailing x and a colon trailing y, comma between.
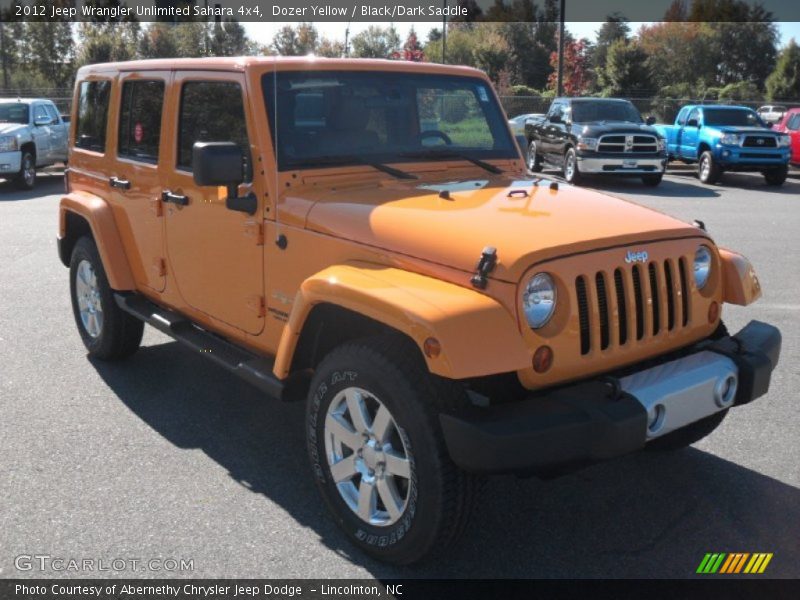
x: 122, y: 184
x: 170, y: 198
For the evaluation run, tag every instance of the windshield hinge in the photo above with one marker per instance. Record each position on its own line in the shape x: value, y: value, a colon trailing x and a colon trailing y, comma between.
x: 486, y: 265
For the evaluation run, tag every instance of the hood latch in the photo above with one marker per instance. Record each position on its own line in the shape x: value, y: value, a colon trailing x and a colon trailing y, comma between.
x: 485, y: 266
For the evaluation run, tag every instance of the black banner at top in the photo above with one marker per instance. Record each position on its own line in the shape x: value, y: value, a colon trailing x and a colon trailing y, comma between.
x: 398, y: 10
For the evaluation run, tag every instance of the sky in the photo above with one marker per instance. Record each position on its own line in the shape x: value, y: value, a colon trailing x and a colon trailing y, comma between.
x: 263, y: 32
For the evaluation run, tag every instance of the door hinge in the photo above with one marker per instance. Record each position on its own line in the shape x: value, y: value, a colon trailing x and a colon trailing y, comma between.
x: 159, y: 267
x: 257, y: 304
x: 255, y: 230
x: 156, y: 207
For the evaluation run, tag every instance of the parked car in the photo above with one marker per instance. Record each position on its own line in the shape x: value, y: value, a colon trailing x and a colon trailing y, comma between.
x: 603, y: 136
x: 442, y: 314
x: 771, y: 113
x: 517, y: 125
x: 723, y: 138
x: 790, y: 125
x: 32, y: 136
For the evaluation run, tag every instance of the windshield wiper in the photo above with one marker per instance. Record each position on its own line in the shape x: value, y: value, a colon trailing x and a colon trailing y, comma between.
x: 445, y: 154
x: 341, y: 159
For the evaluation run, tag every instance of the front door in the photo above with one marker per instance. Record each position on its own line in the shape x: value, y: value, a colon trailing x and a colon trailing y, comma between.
x: 41, y: 134
x: 215, y: 254
x: 134, y: 179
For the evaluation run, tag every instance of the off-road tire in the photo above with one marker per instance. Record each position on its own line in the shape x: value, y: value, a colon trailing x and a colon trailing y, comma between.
x: 121, y: 333
x: 533, y: 161
x: 440, y: 496
x: 573, y: 175
x: 652, y: 180
x: 686, y: 436
x: 26, y: 178
x: 712, y: 173
x: 776, y: 176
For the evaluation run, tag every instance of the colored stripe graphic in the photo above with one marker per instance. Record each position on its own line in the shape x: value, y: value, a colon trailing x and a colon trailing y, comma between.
x: 722, y: 563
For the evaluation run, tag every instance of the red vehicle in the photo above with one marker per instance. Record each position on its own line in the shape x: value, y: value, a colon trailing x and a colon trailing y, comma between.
x: 790, y: 123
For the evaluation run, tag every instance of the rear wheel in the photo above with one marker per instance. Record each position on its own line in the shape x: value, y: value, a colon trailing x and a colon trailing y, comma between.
x: 107, y: 331
x: 377, y: 451
x: 652, y: 180
x: 776, y: 176
x: 571, y: 170
x: 534, y: 160
x: 708, y: 171
x: 26, y: 179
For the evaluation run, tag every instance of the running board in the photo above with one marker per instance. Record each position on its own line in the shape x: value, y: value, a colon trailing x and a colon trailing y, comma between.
x: 251, y: 367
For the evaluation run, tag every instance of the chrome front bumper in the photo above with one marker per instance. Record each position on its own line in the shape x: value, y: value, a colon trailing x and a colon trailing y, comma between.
x: 621, y: 165
x: 680, y: 392
x: 10, y: 162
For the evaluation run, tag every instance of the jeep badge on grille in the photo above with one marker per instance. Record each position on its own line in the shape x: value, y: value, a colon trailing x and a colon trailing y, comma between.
x: 634, y: 257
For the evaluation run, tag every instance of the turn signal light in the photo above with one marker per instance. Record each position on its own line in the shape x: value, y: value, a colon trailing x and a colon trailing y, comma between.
x: 431, y: 347
x: 543, y: 359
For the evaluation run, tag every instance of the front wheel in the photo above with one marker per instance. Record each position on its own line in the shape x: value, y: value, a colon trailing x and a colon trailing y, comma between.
x: 107, y: 331
x: 26, y: 179
x: 377, y: 451
x: 534, y: 160
x: 572, y: 172
x: 652, y: 180
x: 708, y: 171
x: 776, y: 176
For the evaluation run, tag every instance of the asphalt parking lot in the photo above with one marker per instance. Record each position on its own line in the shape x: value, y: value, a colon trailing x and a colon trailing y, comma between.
x: 168, y: 456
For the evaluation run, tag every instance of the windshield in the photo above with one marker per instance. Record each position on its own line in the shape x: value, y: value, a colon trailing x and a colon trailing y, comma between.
x: 601, y: 110
x: 15, y: 112
x: 737, y: 117
x: 327, y: 118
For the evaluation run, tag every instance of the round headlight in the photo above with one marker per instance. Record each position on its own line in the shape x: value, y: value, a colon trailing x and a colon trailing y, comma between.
x: 539, y: 300
x: 702, y: 266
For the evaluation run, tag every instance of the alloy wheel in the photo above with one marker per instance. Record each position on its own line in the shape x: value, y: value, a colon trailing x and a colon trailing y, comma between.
x: 87, y: 292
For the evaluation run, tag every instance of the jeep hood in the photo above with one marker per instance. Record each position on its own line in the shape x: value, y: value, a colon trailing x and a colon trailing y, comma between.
x: 527, y: 223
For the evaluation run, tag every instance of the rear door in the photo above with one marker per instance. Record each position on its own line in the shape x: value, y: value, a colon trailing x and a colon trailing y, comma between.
x: 58, y: 134
x: 215, y: 254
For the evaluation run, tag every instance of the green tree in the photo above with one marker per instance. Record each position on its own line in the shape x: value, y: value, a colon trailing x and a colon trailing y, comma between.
x: 376, y: 42
x: 615, y: 28
x: 330, y: 48
x: 51, y: 51
x: 159, y: 41
x: 784, y: 81
x: 107, y: 42
x: 626, y: 72
x: 192, y: 39
x: 228, y: 38
x: 741, y: 90
x: 295, y: 41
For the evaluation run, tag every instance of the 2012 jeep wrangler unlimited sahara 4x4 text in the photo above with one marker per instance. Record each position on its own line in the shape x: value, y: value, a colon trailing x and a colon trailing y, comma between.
x: 364, y: 235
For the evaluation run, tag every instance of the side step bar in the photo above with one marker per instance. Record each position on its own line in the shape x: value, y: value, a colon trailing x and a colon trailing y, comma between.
x: 250, y: 367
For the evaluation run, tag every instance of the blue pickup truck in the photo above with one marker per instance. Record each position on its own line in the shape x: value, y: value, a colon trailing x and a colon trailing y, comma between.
x: 726, y: 138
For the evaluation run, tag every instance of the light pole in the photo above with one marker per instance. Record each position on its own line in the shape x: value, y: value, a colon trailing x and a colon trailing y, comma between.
x: 444, y: 32
x: 560, y: 75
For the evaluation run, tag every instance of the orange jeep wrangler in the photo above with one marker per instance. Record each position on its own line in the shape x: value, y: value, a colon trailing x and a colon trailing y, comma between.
x: 364, y: 235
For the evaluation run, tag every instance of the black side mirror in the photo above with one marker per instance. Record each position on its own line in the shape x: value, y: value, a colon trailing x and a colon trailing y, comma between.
x: 555, y: 119
x: 222, y: 164
x: 651, y: 120
x: 692, y: 123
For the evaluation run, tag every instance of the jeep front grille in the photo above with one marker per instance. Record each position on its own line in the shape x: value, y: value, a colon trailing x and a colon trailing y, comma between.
x: 633, y: 304
x: 628, y: 144
x: 759, y: 141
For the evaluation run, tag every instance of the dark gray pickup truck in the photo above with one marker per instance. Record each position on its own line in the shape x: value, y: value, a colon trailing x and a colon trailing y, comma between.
x: 603, y: 136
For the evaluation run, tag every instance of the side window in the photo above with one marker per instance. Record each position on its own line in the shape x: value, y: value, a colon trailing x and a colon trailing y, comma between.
x: 140, y: 120
x: 92, y: 115
x: 211, y: 111
x: 39, y: 112
x: 556, y: 110
x: 681, y: 120
x: 794, y: 123
x: 695, y: 114
x: 52, y: 112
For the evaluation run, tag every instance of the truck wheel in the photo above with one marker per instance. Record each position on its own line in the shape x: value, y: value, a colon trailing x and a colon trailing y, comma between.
x: 652, y: 180
x: 686, y: 436
x: 776, y: 176
x: 378, y: 454
x: 534, y: 160
x: 107, y: 331
x: 708, y: 170
x: 571, y: 170
x: 26, y: 178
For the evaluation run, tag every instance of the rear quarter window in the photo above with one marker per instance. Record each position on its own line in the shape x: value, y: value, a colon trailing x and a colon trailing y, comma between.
x: 90, y: 128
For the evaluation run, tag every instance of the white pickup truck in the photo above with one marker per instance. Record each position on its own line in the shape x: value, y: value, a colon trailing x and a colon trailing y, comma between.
x: 32, y: 135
